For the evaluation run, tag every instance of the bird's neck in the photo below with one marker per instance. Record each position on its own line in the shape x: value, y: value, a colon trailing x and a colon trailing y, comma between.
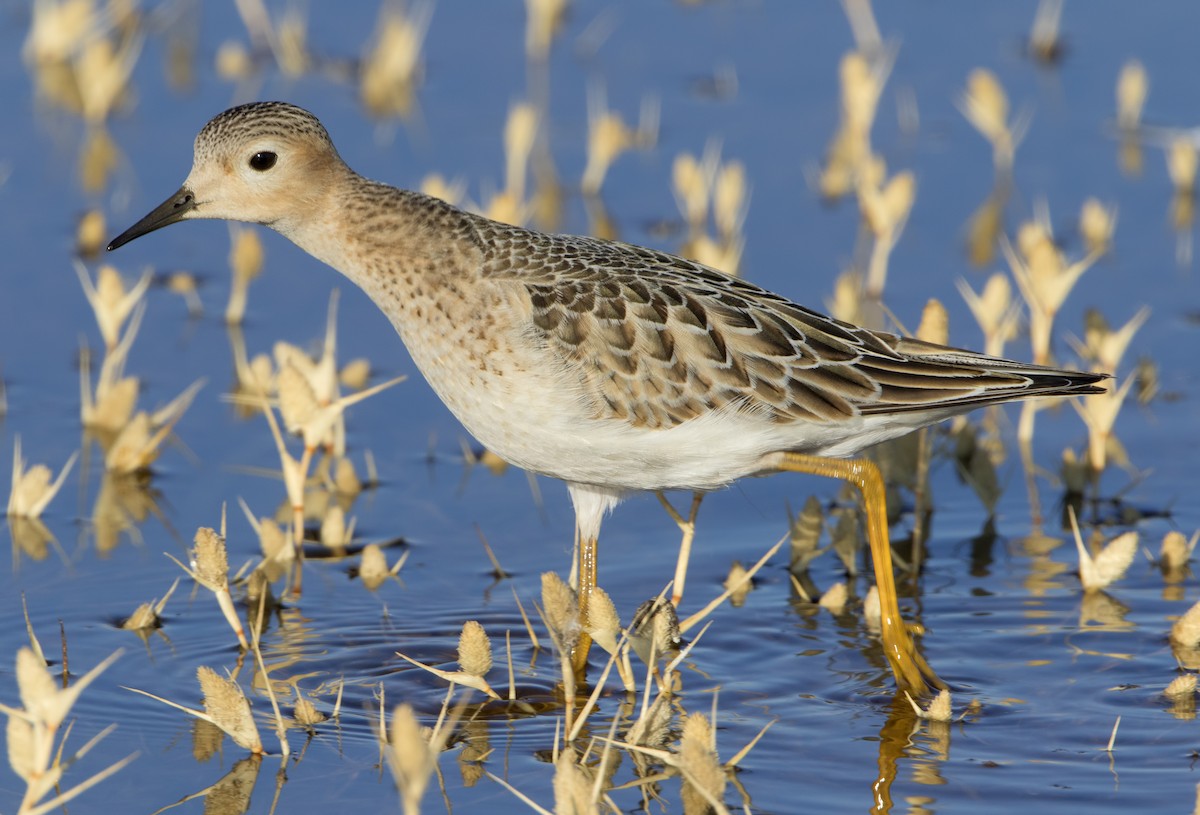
x: 380, y: 236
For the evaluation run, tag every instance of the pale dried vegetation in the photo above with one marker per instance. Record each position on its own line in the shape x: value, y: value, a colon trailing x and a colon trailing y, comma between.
x: 81, y: 56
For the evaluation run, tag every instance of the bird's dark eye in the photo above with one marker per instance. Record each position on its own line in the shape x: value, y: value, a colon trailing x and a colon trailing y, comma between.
x: 263, y: 161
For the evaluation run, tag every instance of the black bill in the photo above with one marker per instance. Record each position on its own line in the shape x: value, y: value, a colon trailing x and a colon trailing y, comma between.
x: 168, y: 212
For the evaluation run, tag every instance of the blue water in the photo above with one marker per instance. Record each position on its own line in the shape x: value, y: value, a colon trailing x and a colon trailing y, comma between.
x: 1004, y: 624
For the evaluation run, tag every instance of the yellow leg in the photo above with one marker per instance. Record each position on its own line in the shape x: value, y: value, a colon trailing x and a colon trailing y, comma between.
x: 585, y: 582
x: 688, y: 529
x: 912, y: 671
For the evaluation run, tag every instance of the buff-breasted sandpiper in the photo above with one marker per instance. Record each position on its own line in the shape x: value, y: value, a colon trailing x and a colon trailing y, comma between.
x: 610, y: 366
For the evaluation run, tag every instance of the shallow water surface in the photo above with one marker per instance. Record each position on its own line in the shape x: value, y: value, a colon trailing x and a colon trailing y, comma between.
x: 1040, y: 671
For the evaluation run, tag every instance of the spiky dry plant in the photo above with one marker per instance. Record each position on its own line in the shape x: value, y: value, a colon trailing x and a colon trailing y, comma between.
x: 1176, y: 549
x: 474, y: 660
x: 654, y: 630
x: 976, y: 455
x: 703, y: 776
x: 109, y: 406
x: 392, y: 67
x: 412, y: 753
x: 184, y: 284
x: 137, y: 445
x: 1182, y: 163
x: 573, y: 787
x: 939, y: 710
x: 308, y: 391
x: 32, y: 732
x: 290, y: 43
x: 1133, y: 86
x: 1180, y: 687
x: 520, y: 134
x: 543, y: 19
x: 804, y: 535
x: 91, y: 233
x: 246, y: 257
x: 229, y: 709
x: 934, y: 328
x: 604, y: 627
x: 102, y: 69
x: 986, y: 224
x: 1104, y: 347
x: 233, y: 62
x: 99, y: 158
x: 272, y: 540
x: 1045, y: 43
x: 225, y: 706
x: 1181, y: 693
x: 1045, y: 278
x: 345, y: 479
x: 295, y: 476
x: 1186, y: 630
x: 33, y: 488
x: 871, y: 610
x: 58, y: 27
x: 985, y: 105
x: 692, y: 180
x: 609, y: 136
x: 935, y: 323
x: 355, y: 374
x: 452, y: 192
x: 1099, y: 412
x: 80, y: 56
x: 254, y: 379
x: 738, y: 584
x: 149, y: 615
x: 846, y: 302
x: 861, y: 17
x: 695, y: 618
x: 561, y: 609
x: 700, y: 183
x: 1097, y: 223
x: 687, y: 529
x: 210, y: 568
x: 1109, y: 564
x: 305, y: 713
x: 730, y: 194
x: 835, y: 598
x: 862, y: 78
x: 319, y: 424
x: 335, y: 532
x: 111, y: 301
x: 885, y: 209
